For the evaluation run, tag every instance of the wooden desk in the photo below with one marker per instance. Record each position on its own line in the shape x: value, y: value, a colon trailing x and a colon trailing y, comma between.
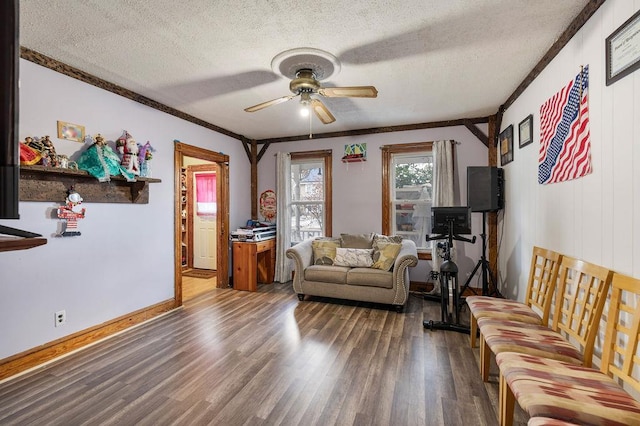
x: 253, y: 263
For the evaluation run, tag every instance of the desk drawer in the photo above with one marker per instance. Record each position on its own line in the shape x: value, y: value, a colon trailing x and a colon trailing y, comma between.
x: 264, y: 245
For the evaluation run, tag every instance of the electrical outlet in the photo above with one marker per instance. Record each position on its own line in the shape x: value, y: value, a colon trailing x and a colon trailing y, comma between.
x: 60, y: 318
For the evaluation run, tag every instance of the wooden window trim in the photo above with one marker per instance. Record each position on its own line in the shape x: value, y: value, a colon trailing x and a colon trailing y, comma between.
x: 387, y: 153
x: 326, y: 155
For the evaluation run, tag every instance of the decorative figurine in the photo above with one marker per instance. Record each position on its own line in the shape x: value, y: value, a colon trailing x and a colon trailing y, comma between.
x: 70, y: 213
x: 127, y: 147
x: 100, y: 161
x: 50, y: 152
x: 29, y: 155
x: 144, y: 157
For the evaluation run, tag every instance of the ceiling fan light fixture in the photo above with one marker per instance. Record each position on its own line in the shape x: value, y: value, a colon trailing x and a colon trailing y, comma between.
x: 305, y: 104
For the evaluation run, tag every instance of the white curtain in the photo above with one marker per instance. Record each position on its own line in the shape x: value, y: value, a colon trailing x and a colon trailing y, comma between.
x: 283, y: 216
x: 442, y: 189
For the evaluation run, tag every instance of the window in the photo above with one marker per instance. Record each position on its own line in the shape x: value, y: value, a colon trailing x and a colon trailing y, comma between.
x: 310, y: 195
x: 407, y: 191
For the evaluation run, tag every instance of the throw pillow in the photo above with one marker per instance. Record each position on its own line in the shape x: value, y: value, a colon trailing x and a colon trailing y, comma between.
x: 359, y: 241
x: 385, y: 255
x: 355, y: 258
x: 324, y: 251
x: 387, y: 239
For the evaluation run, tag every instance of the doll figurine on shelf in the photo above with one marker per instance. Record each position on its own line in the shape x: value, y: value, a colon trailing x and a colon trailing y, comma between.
x: 49, y: 153
x: 128, y: 148
x: 100, y: 161
x: 70, y: 213
x: 144, y: 158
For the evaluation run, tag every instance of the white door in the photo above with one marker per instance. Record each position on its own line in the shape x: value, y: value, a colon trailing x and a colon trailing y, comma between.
x: 204, y: 232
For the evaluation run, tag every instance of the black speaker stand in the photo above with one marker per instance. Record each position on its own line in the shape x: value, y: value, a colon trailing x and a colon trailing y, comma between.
x: 483, y: 263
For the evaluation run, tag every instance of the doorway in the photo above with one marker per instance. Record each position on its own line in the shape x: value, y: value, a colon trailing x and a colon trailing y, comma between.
x: 201, y: 223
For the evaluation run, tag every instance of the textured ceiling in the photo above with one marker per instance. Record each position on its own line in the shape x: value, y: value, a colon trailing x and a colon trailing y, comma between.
x: 430, y: 60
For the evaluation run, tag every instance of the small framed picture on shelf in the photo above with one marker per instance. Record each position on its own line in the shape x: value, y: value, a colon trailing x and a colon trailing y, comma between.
x: 525, y: 131
x: 505, y: 144
x: 70, y: 132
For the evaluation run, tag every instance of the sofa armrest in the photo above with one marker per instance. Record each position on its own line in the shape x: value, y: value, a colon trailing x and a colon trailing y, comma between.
x: 302, y: 255
x: 407, y: 257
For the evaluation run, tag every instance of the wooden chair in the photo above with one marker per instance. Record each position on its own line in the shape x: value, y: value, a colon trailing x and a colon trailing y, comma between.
x: 538, y: 298
x: 576, y: 394
x: 580, y: 299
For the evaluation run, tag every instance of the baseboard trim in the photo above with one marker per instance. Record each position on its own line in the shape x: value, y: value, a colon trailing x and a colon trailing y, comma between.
x: 42, y: 354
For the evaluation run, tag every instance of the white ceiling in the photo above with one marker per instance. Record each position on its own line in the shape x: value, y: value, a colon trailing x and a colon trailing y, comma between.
x: 430, y: 60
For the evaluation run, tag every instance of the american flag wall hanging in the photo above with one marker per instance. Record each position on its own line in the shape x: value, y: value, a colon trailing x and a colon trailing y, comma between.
x: 565, y: 143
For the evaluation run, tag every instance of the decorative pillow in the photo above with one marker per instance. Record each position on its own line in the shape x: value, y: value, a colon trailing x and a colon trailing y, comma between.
x: 386, y: 239
x: 359, y: 241
x: 355, y: 258
x: 324, y: 251
x: 385, y: 255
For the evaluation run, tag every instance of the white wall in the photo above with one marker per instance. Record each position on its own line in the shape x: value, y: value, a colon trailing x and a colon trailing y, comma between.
x: 357, y: 187
x: 123, y: 261
x: 597, y: 217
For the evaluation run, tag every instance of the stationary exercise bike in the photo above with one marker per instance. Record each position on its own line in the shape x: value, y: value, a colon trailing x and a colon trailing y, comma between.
x: 456, y: 220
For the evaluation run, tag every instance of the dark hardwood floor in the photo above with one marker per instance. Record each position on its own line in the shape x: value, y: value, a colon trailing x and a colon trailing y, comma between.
x: 239, y: 358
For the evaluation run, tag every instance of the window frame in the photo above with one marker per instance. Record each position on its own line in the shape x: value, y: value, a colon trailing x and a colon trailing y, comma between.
x: 388, y: 152
x: 326, y: 156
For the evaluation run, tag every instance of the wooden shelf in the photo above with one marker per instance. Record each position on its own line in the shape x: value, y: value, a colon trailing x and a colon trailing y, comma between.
x: 17, y: 243
x: 354, y: 160
x: 40, y: 183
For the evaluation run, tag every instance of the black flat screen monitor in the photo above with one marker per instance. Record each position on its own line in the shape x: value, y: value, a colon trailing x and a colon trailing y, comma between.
x: 442, y: 217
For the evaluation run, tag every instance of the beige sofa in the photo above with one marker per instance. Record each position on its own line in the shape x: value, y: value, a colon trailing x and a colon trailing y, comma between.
x: 366, y: 284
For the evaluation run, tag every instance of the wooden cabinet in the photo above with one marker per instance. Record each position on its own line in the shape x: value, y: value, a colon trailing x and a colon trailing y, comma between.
x: 253, y: 263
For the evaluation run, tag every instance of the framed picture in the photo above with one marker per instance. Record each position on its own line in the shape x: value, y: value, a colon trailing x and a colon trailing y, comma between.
x: 505, y: 143
x: 525, y: 131
x: 70, y: 132
x: 623, y: 49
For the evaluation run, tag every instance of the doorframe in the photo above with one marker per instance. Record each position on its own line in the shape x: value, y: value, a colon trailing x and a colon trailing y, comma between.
x: 182, y: 150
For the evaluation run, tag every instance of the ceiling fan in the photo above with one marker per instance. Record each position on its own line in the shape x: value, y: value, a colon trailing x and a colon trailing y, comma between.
x: 306, y: 86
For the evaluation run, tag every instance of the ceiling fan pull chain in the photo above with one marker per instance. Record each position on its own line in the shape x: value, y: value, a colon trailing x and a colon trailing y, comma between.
x: 310, y: 120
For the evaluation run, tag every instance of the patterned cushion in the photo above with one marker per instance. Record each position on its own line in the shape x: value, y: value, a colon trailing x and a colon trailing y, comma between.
x: 384, y: 255
x: 352, y: 257
x: 512, y: 336
x: 379, y: 238
x: 324, y: 251
x: 551, y: 388
x: 484, y: 306
x: 546, y: 421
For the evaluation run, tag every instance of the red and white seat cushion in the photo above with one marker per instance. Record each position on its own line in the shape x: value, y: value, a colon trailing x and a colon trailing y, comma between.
x: 564, y: 391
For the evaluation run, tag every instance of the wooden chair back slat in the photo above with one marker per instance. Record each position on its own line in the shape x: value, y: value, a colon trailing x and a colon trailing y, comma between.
x: 581, y: 297
x: 543, y: 275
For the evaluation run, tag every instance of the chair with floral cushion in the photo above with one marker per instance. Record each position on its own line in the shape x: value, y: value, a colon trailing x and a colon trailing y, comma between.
x: 580, y: 299
x: 538, y: 298
x: 577, y: 394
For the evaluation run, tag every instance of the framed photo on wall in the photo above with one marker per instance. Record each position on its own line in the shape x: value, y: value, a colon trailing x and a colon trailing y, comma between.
x: 505, y: 144
x: 70, y: 132
x: 525, y: 131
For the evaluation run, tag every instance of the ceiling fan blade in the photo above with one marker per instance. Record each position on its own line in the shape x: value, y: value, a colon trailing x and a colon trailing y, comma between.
x: 349, y: 92
x: 322, y: 112
x: 269, y: 103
